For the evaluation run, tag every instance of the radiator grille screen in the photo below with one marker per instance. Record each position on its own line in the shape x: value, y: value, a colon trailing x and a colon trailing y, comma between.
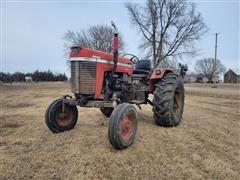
x: 83, y: 77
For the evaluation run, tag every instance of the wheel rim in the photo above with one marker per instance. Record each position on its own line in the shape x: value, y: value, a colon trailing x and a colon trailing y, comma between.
x: 177, y: 102
x: 64, y: 118
x: 126, y: 126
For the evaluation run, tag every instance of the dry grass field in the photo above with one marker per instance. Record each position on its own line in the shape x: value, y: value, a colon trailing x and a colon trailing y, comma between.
x: 205, y: 145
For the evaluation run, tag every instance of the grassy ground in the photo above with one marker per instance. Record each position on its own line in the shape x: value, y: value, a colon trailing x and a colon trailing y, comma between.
x: 204, y: 146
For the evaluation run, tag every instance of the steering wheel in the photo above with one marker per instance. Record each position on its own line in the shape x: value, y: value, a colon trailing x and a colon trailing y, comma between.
x: 134, y: 59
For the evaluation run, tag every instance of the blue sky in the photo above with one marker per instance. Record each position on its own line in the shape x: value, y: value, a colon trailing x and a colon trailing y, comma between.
x: 31, y: 32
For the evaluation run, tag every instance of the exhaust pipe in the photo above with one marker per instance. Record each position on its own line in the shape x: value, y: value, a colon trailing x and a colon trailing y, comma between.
x: 115, y: 49
x: 115, y: 60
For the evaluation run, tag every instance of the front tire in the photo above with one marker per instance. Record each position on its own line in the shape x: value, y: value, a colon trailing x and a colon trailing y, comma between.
x: 168, y: 101
x: 123, y: 126
x: 59, y: 121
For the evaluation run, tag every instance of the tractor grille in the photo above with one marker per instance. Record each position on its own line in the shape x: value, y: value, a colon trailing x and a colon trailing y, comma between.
x: 83, y: 77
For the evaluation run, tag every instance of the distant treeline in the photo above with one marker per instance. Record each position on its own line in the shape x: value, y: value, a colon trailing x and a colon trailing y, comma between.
x: 36, y: 76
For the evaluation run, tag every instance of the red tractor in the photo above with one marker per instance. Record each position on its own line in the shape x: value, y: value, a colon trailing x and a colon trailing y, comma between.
x: 115, y: 84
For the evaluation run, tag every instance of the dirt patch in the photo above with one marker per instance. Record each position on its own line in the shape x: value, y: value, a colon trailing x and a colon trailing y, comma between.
x: 204, y: 146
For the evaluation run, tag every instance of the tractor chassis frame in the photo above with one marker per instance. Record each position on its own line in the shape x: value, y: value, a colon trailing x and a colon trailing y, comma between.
x: 67, y: 99
x: 90, y: 103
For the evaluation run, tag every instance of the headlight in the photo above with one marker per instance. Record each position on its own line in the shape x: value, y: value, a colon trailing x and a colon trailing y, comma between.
x: 157, y: 72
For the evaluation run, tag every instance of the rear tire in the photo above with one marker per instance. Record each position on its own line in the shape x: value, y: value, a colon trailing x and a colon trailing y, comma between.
x: 107, y: 111
x: 123, y: 126
x: 168, y: 101
x: 57, y: 121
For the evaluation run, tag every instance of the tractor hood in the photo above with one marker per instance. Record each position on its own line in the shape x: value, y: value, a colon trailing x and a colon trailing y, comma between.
x: 79, y: 53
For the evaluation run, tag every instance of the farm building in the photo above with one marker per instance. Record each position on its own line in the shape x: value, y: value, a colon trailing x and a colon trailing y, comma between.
x: 232, y: 76
x: 28, y: 79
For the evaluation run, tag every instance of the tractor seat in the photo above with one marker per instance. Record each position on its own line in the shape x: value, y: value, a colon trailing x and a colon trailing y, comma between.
x: 142, y: 67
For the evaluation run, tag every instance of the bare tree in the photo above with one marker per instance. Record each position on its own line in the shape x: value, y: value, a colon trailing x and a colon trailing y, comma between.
x: 97, y: 37
x: 210, y: 67
x: 169, y: 28
x: 169, y: 63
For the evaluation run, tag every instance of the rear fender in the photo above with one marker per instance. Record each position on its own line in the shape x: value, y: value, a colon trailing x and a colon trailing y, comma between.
x: 157, y: 74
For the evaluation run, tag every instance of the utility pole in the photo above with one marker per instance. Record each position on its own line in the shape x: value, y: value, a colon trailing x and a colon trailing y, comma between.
x: 216, y: 36
x: 215, y: 58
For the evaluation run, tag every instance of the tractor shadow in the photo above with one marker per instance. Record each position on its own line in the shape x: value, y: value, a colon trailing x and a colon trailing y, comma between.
x: 146, y: 117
